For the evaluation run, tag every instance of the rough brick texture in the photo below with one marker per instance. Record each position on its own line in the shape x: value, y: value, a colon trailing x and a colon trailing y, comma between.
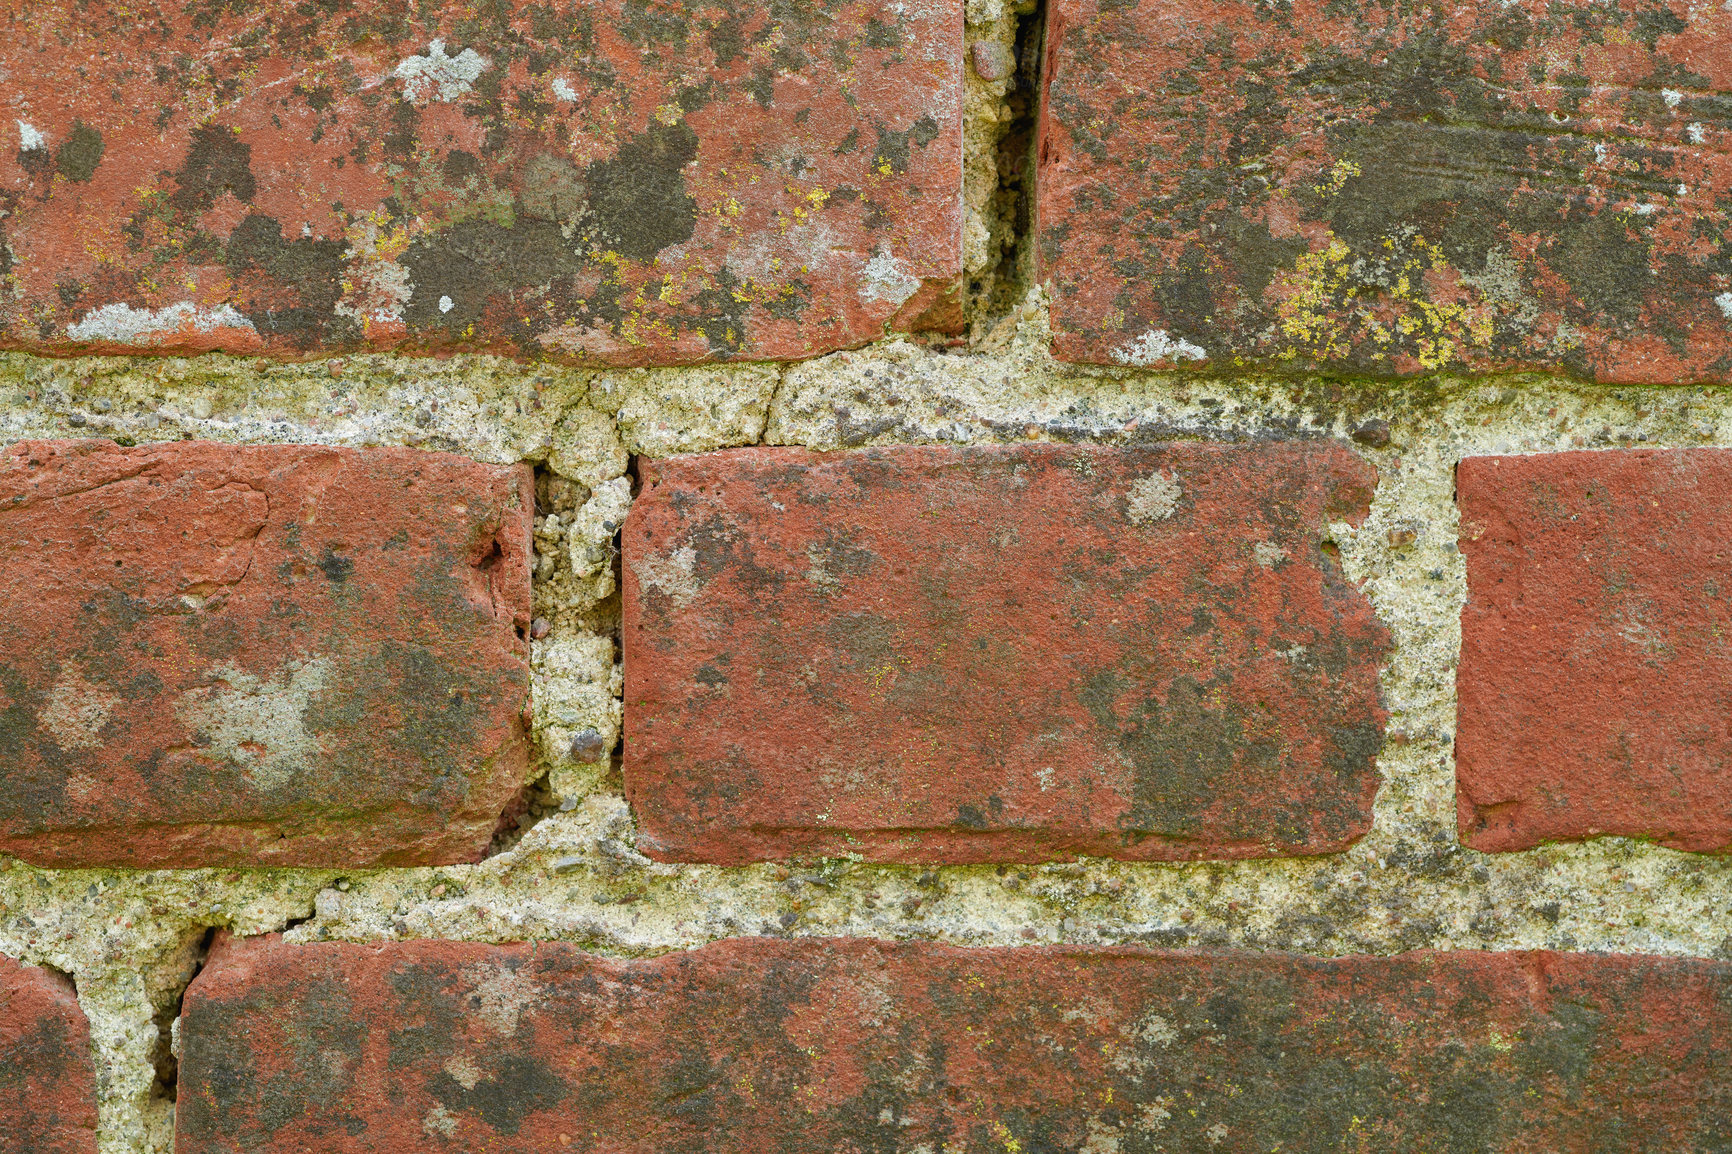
x: 612, y: 181
x: 999, y: 653
x: 274, y: 654
x: 1391, y: 188
x: 47, y: 1083
x: 1595, y: 679
x: 763, y: 1045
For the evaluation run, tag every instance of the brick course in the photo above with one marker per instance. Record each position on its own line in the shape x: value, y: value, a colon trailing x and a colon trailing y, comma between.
x: 47, y: 1083
x: 1594, y: 677
x: 1390, y: 189
x: 985, y: 654
x: 858, y: 1045
x: 293, y: 655
x: 605, y: 182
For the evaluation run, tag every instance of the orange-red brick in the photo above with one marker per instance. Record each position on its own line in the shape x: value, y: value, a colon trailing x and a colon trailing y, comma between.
x: 765, y: 1047
x: 1595, y: 677
x: 999, y: 653
x: 47, y: 1081
x: 605, y: 181
x: 275, y: 654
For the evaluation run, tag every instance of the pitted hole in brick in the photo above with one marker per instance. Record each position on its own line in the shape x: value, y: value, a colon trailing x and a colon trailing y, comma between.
x: 527, y: 808
x: 165, y: 1050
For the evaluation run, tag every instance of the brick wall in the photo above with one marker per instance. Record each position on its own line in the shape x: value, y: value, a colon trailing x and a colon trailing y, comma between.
x: 1102, y: 577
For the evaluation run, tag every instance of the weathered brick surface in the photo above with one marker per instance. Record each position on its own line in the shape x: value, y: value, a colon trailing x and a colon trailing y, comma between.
x: 610, y: 181
x: 283, y: 654
x: 999, y: 653
x: 1391, y: 188
x: 763, y: 1045
x: 1595, y: 678
x: 47, y: 1083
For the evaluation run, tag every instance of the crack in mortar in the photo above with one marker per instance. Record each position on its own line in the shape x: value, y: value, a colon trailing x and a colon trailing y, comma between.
x: 1002, y: 44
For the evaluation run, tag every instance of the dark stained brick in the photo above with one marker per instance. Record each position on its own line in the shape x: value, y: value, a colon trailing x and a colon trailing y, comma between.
x: 799, y: 1047
x: 999, y: 653
x: 609, y: 181
x: 1391, y: 189
x: 1595, y: 677
x: 47, y: 1083
x: 284, y: 654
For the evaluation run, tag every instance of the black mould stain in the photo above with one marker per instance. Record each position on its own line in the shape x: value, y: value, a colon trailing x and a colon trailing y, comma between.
x: 335, y: 566
x: 310, y: 270
x: 638, y: 201
x: 893, y: 147
x: 78, y: 157
x: 511, y: 1087
x: 218, y: 162
x: 457, y: 273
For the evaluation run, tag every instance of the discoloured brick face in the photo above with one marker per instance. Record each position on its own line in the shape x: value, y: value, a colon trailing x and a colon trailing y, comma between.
x: 612, y: 182
x: 1593, y: 683
x: 47, y: 1083
x: 267, y: 655
x: 990, y: 654
x: 761, y: 1046
x: 1391, y: 189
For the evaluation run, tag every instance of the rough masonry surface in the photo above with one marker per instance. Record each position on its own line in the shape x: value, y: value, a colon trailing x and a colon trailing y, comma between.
x: 999, y: 653
x: 223, y: 655
x: 47, y: 1080
x: 613, y: 182
x: 1391, y: 189
x: 424, y: 144
x: 1594, y: 677
x: 764, y: 1046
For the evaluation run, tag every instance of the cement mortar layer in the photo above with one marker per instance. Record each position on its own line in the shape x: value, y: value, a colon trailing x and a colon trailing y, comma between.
x: 131, y: 940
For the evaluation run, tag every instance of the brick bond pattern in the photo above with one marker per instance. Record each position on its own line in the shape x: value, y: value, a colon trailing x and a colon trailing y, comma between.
x: 295, y: 655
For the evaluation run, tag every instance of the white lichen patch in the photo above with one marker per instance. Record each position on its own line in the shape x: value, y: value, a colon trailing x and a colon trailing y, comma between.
x: 30, y: 137
x: 675, y: 574
x: 1155, y: 347
x: 437, y: 76
x: 121, y: 324
x: 258, y: 726
x: 75, y: 712
x: 1268, y: 554
x: 500, y: 995
x: 439, y: 1122
x: 884, y: 278
x: 1153, y: 498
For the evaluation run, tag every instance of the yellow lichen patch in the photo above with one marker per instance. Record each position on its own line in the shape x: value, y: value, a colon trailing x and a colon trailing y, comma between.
x: 1336, y: 303
x: 1337, y: 178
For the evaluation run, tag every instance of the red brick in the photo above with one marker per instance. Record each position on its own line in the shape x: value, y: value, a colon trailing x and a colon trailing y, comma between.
x: 1595, y: 679
x: 1391, y: 189
x: 47, y: 1082
x: 281, y: 654
x: 999, y: 653
x: 759, y: 1045
x: 604, y: 181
